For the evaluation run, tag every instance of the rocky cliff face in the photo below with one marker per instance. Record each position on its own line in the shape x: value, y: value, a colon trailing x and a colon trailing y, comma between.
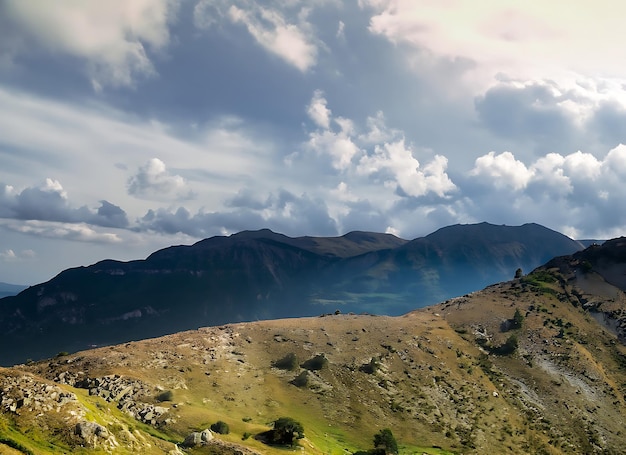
x: 597, y: 277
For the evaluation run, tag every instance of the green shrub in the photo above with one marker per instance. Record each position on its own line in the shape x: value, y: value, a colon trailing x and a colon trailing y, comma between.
x: 302, y: 380
x: 518, y: 319
x: 289, y: 362
x: 514, y: 323
x: 371, y: 367
x: 287, y: 431
x: 220, y: 427
x: 315, y: 363
x: 15, y: 445
x: 167, y: 395
x: 384, y: 439
x: 509, y: 346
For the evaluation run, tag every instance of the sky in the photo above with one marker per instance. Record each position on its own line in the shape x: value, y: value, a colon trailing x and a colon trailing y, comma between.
x: 127, y: 126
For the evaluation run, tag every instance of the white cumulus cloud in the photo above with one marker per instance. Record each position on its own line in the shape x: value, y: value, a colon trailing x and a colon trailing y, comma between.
x: 503, y: 170
x: 80, y: 232
x: 534, y: 38
x: 317, y: 110
x: 8, y: 255
x: 153, y: 180
x: 273, y: 32
x: 113, y: 37
x: 615, y: 161
x: 400, y: 169
x: 583, y: 166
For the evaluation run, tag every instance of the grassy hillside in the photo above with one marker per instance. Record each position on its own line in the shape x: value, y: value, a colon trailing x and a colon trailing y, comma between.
x: 521, y: 367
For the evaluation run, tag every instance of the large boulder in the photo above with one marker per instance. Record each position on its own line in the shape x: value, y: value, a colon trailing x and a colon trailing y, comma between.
x: 91, y: 432
x: 198, y: 438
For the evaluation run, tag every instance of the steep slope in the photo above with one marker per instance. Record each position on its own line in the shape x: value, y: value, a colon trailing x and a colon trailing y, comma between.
x: 598, y: 275
x: 263, y: 275
x: 562, y: 365
x: 444, y: 379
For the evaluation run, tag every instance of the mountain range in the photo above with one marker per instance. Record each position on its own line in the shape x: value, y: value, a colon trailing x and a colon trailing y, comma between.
x: 7, y: 289
x: 535, y: 364
x: 257, y: 275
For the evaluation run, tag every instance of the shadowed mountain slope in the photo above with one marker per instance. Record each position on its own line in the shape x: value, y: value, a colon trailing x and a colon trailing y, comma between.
x: 599, y: 274
x: 263, y: 275
x: 521, y: 367
x: 7, y: 289
x: 452, y: 261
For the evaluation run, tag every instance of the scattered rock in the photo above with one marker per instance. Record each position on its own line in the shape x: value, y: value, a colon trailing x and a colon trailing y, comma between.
x: 93, y: 434
x: 24, y: 393
x: 196, y: 439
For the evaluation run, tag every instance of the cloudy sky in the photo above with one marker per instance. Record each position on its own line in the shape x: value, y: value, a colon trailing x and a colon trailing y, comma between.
x: 130, y: 125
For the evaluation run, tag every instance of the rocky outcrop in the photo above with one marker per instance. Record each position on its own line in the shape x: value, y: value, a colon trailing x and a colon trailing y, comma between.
x: 92, y: 434
x: 22, y: 393
x: 129, y: 394
x: 196, y: 439
x: 206, y: 438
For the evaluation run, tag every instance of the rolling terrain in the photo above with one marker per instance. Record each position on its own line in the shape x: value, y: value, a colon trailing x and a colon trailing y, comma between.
x: 532, y: 365
x: 258, y: 275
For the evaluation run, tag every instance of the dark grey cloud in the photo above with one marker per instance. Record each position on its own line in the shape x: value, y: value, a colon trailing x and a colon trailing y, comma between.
x: 283, y: 212
x: 246, y: 198
x: 608, y: 123
x: 49, y: 203
x: 530, y: 114
x: 112, y: 213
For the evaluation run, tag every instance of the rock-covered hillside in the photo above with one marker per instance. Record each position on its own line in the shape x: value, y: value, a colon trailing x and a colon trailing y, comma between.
x: 522, y: 367
x: 264, y: 275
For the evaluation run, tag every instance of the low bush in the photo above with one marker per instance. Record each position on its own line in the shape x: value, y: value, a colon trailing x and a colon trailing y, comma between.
x: 508, y: 348
x: 220, y: 427
x: 289, y: 362
x: 167, y: 395
x: 315, y: 363
x: 371, y: 367
x: 302, y: 380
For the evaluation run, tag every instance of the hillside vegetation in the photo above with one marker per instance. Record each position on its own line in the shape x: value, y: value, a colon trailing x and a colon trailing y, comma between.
x: 528, y: 366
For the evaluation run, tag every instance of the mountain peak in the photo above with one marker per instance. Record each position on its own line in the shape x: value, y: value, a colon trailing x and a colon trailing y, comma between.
x: 264, y: 275
x: 258, y: 233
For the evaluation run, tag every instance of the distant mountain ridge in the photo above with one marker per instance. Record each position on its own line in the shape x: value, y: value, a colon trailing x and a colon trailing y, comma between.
x: 265, y: 275
x: 7, y: 289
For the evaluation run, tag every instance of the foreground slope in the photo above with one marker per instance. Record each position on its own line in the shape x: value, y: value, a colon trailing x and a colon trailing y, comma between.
x: 523, y: 366
x: 263, y: 275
